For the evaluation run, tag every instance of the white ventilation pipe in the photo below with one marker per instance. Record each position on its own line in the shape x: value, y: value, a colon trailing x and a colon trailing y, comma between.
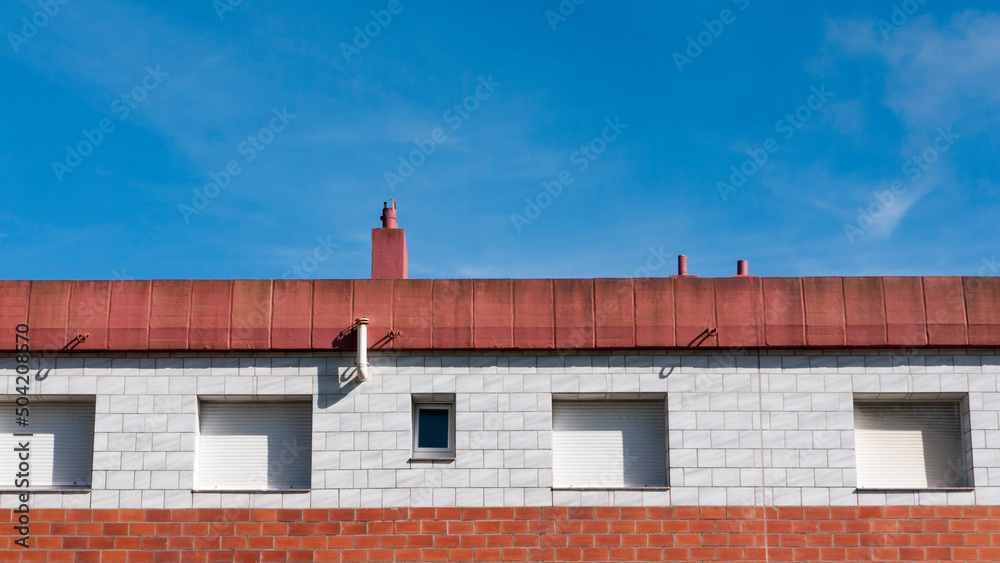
x: 362, y: 362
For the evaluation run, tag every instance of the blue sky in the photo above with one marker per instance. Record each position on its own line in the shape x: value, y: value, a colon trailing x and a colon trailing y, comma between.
x: 238, y: 139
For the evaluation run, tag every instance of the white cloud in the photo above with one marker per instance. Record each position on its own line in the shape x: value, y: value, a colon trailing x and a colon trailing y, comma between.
x: 937, y: 76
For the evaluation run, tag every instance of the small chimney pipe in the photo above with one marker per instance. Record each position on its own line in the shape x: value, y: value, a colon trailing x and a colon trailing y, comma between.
x: 388, y: 215
x: 743, y: 269
x: 682, y: 267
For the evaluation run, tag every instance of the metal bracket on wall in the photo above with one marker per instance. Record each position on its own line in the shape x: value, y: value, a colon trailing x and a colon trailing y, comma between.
x: 76, y: 341
x: 703, y: 336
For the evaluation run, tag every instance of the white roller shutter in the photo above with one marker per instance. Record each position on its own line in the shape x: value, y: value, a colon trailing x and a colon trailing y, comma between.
x: 608, y: 444
x: 903, y: 445
x: 254, y: 446
x: 61, y: 452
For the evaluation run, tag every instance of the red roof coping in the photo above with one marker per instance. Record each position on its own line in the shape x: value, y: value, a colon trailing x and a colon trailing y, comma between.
x: 499, y: 314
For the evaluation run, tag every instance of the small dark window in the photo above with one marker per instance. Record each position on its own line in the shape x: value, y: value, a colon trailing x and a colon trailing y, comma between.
x: 433, y: 430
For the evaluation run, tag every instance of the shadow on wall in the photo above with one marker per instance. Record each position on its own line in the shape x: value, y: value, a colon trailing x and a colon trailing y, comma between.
x: 335, y: 386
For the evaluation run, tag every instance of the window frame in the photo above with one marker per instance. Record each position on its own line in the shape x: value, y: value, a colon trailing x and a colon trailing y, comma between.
x: 293, y: 401
x: 961, y: 400
x: 611, y: 399
x: 54, y: 402
x: 432, y: 454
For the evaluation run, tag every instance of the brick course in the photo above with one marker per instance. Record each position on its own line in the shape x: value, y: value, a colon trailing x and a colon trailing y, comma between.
x: 707, y: 533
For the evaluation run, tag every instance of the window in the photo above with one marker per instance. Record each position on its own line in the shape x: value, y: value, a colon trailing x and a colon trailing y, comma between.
x: 909, y: 444
x: 254, y: 445
x: 608, y: 444
x: 434, y: 427
x: 60, y: 450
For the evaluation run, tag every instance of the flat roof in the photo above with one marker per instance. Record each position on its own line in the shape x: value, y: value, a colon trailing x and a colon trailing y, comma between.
x: 504, y: 314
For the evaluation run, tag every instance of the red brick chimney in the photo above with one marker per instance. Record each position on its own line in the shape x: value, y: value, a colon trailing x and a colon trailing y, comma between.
x: 389, y: 248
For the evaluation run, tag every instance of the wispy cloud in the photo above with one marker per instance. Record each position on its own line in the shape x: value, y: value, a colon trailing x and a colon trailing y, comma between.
x: 203, y: 97
x: 935, y: 73
x: 936, y: 76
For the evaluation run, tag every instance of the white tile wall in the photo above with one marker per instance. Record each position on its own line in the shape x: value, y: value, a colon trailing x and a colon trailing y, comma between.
x: 743, y: 429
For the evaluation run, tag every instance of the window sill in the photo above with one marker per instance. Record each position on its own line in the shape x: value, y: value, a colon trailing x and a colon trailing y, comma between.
x: 421, y: 459
x: 610, y: 488
x: 248, y: 491
x: 914, y: 490
x: 46, y: 491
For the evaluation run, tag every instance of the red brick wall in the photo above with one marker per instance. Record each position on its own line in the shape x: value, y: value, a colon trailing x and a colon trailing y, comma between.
x: 511, y: 534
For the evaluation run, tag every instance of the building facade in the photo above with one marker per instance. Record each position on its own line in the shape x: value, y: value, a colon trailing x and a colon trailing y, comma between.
x: 681, y: 418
